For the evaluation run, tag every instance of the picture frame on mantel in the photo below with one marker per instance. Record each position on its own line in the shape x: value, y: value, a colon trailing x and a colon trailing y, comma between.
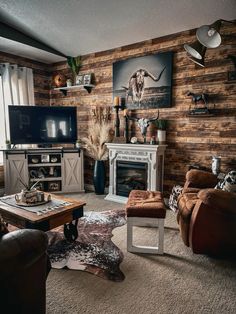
x: 145, y: 82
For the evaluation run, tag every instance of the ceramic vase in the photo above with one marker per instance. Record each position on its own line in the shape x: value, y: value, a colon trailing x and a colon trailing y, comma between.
x: 215, y: 166
x: 99, y: 177
x: 161, y: 136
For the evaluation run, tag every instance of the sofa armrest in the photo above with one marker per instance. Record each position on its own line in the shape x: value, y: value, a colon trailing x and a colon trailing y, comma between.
x: 219, y: 199
x: 20, y: 249
x: 200, y: 179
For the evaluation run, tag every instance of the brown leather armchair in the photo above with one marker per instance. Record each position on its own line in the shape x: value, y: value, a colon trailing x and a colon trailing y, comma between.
x: 206, y: 216
x: 23, y: 271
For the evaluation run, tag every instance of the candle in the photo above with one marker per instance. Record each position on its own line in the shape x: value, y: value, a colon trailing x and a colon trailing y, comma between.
x: 116, y: 101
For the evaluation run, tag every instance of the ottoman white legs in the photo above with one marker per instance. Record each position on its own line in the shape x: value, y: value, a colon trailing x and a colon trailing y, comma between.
x: 144, y: 221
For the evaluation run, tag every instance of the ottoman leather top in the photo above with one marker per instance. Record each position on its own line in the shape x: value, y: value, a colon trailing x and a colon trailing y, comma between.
x: 145, y: 204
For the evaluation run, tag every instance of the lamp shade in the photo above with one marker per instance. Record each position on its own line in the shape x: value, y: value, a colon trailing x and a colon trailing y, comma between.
x: 196, y: 50
x: 209, y: 36
x: 197, y: 61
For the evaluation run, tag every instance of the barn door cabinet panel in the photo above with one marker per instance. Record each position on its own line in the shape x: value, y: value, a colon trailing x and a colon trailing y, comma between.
x: 72, y: 169
x: 56, y: 170
x: 15, y: 172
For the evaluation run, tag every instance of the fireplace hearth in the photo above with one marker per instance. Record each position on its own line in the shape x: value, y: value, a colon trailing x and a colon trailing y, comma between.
x: 130, y: 176
x: 134, y: 166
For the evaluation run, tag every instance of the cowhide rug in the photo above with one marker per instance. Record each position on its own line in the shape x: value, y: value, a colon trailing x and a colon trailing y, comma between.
x: 93, y: 251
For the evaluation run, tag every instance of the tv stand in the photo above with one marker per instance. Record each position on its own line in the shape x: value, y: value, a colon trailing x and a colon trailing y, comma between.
x: 58, y: 170
x: 44, y: 145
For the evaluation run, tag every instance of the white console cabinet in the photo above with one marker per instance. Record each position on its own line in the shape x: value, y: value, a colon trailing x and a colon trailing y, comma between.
x: 57, y: 170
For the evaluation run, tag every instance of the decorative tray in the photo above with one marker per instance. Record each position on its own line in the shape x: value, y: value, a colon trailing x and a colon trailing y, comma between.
x: 20, y: 203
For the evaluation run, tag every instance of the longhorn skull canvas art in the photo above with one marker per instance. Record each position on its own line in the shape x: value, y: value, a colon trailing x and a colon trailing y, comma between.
x: 144, y: 82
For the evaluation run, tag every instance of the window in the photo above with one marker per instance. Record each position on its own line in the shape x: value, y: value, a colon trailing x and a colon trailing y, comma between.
x: 2, y: 122
x: 16, y: 88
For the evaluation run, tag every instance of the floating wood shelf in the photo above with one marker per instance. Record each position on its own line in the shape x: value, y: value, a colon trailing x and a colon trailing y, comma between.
x: 201, y: 115
x: 64, y: 90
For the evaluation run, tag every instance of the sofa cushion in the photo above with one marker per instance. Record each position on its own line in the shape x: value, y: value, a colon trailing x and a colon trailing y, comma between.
x: 228, y: 183
x: 219, y: 199
x: 176, y: 191
x: 201, y: 179
x: 190, y: 190
x: 145, y: 204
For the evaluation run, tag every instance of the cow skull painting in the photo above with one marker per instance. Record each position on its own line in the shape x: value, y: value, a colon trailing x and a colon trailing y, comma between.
x: 137, y: 85
x: 144, y: 82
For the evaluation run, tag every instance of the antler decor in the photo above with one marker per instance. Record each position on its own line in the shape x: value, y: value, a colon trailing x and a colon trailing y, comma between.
x: 143, y: 124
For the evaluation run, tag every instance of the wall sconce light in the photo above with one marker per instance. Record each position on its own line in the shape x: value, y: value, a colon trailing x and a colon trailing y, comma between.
x: 196, y: 53
x: 196, y: 50
x: 197, y: 61
x: 208, y: 36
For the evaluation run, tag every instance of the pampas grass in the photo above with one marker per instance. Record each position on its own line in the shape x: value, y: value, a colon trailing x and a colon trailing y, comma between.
x: 98, y: 135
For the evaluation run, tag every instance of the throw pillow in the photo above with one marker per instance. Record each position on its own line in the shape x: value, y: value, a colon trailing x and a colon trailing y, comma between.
x: 176, y: 191
x: 228, y: 184
x: 3, y: 227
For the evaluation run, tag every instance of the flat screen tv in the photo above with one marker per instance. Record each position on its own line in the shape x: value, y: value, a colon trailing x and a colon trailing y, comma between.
x: 42, y: 125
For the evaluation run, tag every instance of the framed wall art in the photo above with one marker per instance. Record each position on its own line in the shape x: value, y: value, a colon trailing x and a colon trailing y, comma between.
x: 145, y: 82
x: 79, y: 79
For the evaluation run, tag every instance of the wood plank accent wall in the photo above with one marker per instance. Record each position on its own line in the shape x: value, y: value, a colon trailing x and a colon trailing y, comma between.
x: 42, y: 79
x: 190, y: 140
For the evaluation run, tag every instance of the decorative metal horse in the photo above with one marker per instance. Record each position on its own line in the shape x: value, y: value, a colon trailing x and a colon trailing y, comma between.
x: 198, y: 97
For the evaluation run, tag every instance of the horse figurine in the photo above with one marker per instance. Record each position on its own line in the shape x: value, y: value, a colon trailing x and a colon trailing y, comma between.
x: 198, y: 97
x: 203, y: 98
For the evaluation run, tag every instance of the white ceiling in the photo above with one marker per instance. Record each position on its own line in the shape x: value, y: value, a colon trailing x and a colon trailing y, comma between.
x: 77, y: 27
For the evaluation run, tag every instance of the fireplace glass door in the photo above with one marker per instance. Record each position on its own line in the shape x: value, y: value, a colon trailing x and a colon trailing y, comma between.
x: 130, y: 176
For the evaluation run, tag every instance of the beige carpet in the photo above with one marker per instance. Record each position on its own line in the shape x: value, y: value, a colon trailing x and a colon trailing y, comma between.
x: 178, y: 282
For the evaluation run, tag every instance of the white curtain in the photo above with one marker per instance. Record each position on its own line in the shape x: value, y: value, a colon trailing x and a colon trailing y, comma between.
x: 16, y: 88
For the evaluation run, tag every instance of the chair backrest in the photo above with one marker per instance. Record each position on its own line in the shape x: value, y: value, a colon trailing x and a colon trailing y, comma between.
x: 200, y: 179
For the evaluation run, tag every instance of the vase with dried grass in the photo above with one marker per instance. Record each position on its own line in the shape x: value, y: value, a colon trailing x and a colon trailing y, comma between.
x: 99, y: 133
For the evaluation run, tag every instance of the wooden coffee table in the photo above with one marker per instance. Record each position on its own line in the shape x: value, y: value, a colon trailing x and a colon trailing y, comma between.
x: 66, y: 215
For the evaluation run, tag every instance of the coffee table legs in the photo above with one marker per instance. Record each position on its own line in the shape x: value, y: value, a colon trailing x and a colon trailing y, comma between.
x: 71, y: 231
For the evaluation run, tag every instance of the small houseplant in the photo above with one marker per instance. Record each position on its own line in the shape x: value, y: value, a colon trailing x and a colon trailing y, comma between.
x: 161, y: 130
x: 75, y: 65
x: 99, y: 133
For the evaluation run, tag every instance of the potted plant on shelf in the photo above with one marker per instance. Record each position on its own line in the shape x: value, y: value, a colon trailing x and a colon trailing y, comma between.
x: 161, y: 130
x: 75, y: 64
x: 99, y: 133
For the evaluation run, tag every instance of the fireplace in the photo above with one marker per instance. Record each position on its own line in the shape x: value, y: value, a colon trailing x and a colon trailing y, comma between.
x: 130, y: 176
x: 134, y: 166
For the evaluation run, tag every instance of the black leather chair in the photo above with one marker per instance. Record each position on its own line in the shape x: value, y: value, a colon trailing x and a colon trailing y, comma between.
x: 24, y: 266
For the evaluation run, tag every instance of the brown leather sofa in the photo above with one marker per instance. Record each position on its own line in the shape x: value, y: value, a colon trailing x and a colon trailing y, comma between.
x: 206, y: 216
x: 24, y: 266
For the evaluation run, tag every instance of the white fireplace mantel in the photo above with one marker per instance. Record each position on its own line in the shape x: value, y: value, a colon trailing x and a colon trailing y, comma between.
x: 153, y: 155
